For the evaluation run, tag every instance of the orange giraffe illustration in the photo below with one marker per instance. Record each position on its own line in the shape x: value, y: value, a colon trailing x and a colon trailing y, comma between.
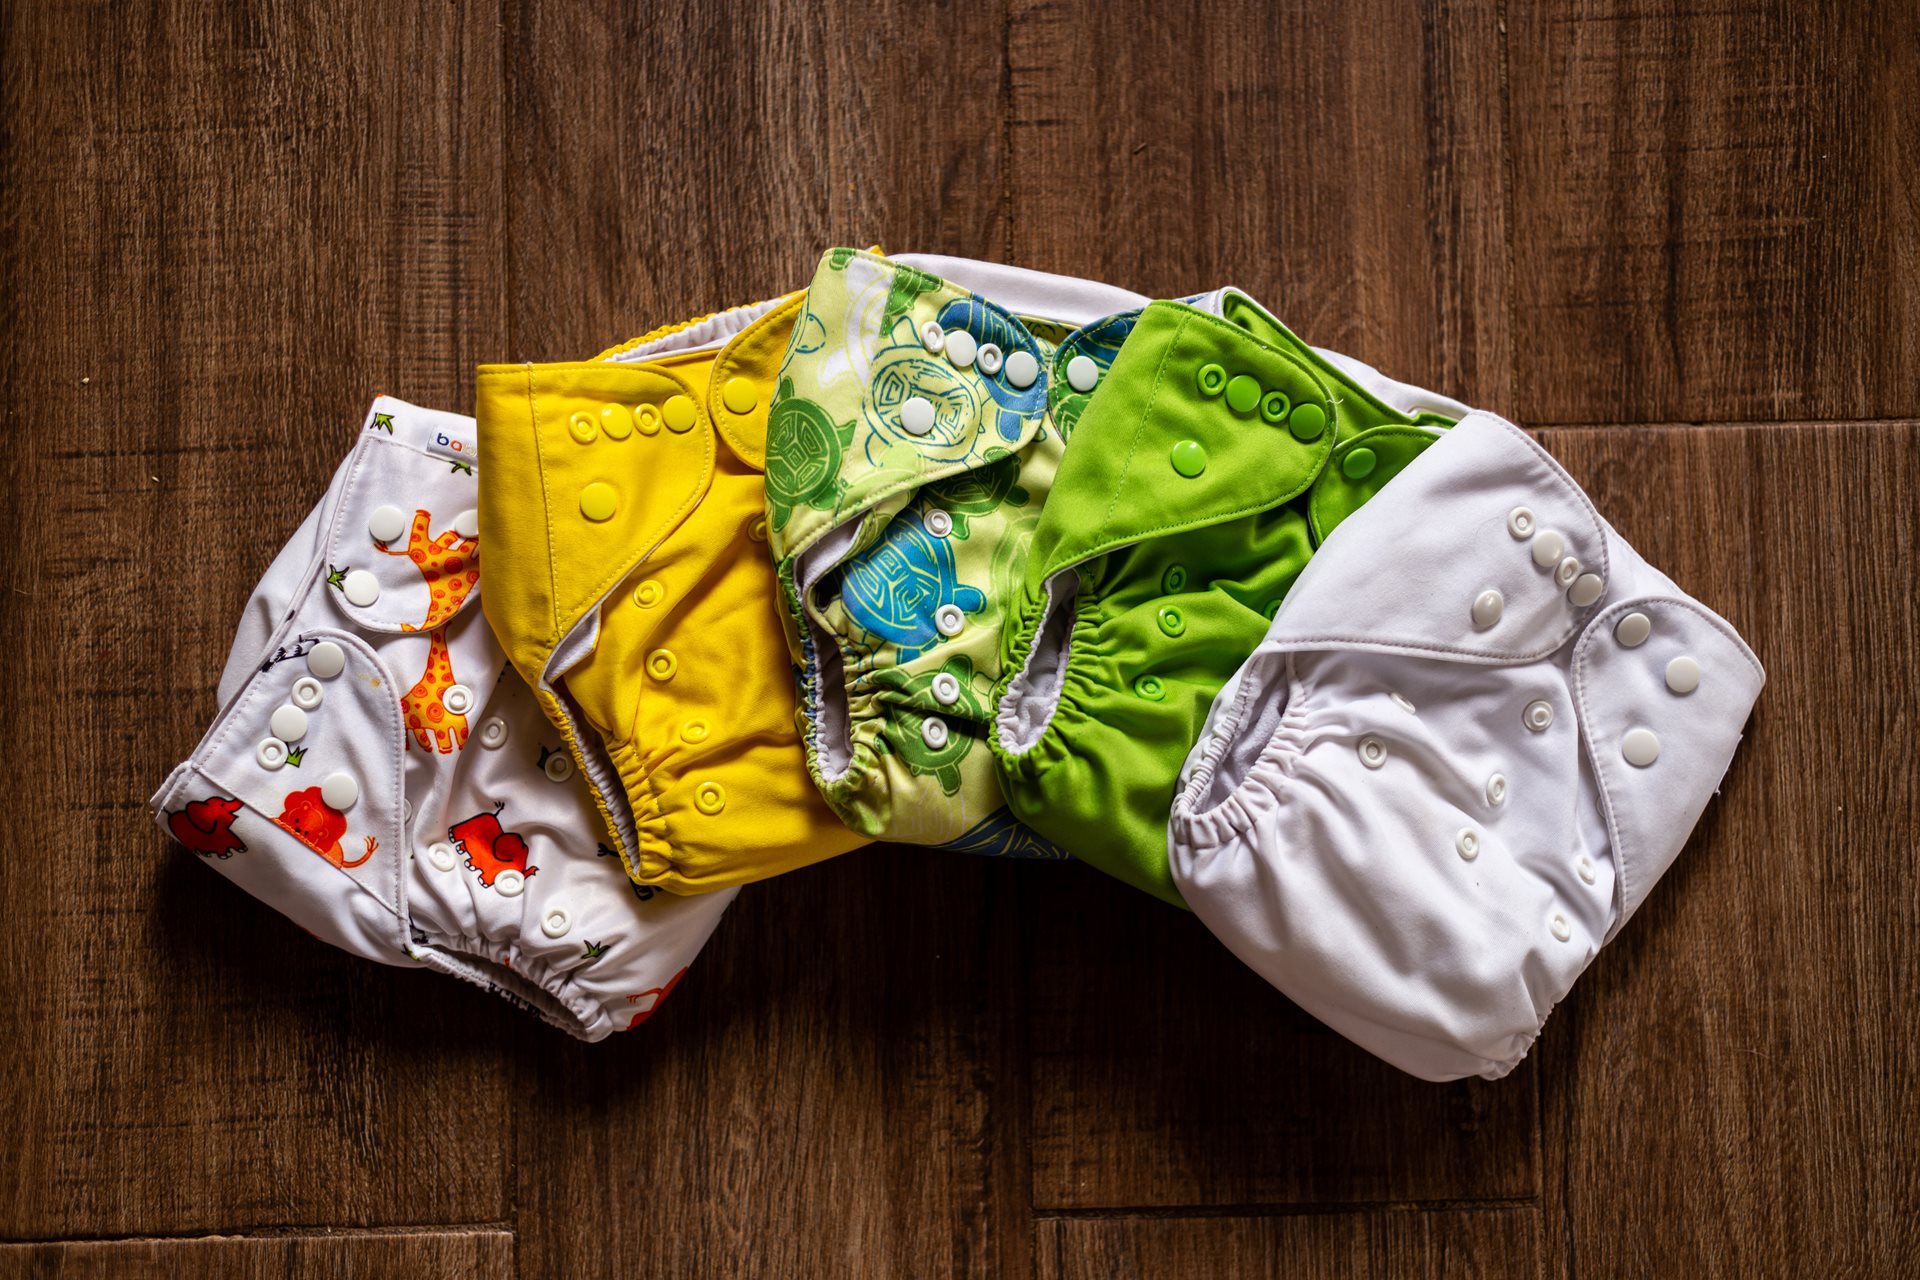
x: 451, y: 566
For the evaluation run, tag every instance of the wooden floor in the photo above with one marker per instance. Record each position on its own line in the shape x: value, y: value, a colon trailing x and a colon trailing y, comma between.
x: 1681, y: 241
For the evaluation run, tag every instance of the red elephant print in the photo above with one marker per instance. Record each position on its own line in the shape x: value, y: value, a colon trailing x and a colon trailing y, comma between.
x: 206, y: 827
x: 488, y: 849
x: 653, y: 997
x: 319, y: 826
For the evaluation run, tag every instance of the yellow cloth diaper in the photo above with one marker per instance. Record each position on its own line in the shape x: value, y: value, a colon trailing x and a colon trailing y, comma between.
x: 624, y: 515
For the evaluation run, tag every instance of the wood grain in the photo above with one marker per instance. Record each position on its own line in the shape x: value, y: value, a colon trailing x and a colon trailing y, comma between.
x: 479, y: 1255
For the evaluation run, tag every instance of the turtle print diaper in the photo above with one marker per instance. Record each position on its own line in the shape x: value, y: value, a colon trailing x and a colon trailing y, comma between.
x: 379, y: 775
x: 628, y: 578
x: 922, y: 410
x: 1478, y: 732
x: 1211, y: 459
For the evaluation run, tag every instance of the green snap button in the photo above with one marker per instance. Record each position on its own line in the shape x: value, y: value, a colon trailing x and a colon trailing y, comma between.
x: 1171, y: 620
x: 1150, y: 688
x: 1307, y: 422
x: 1211, y: 378
x: 1189, y: 458
x: 1358, y: 464
x: 1273, y: 607
x: 1274, y: 406
x: 1174, y: 581
x: 1243, y: 393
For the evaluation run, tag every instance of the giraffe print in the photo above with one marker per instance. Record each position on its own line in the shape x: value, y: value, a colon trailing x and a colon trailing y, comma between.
x: 428, y: 719
x: 449, y: 563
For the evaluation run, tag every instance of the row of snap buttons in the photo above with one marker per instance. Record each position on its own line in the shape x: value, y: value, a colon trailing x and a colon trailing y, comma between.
x: 678, y: 414
x: 963, y: 350
x: 1244, y: 394
x: 288, y: 723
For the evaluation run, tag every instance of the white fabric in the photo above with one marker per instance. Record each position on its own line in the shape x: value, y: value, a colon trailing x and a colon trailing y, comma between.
x: 618, y: 953
x: 1344, y: 885
x: 1023, y: 292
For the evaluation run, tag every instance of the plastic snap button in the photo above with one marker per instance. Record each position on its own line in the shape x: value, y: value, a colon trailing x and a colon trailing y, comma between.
x: 467, y: 523
x: 916, y: 415
x: 493, y: 734
x: 1467, y: 844
x: 1210, y: 380
x: 949, y: 620
x: 1174, y: 580
x: 1538, y: 716
x: 509, y: 884
x: 1150, y: 687
x: 1373, y: 752
x: 933, y: 337
x: 1583, y: 866
x: 1306, y: 422
x: 757, y: 529
x: 710, y: 798
x: 1172, y: 621
x: 694, y: 731
x: 946, y: 689
x: 583, y: 428
x: 1487, y: 608
x: 1273, y: 607
x: 1275, y: 406
x: 307, y: 693
x: 933, y: 732
x: 1022, y: 369
x: 554, y: 922
x: 326, y: 660
x: 679, y: 413
x: 442, y: 856
x: 1683, y: 674
x: 1082, y: 373
x: 270, y: 753
x: 939, y: 523
x: 1586, y: 589
x: 1358, y: 464
x: 1547, y: 548
x: 1497, y: 790
x: 616, y: 420
x: 558, y: 766
x: 457, y: 699
x: 661, y: 664
x: 649, y: 593
x: 1568, y: 572
x: 406, y: 811
x: 289, y: 723
x: 961, y: 348
x: 387, y: 524
x: 646, y: 419
x: 361, y: 588
x: 1632, y: 630
x: 340, y: 791
x: 1641, y: 747
x: 1243, y: 393
x: 1403, y: 702
x: 740, y: 395
x: 598, y: 501
x: 989, y: 359
x: 1520, y: 523
x: 1189, y: 458
x: 1561, y: 929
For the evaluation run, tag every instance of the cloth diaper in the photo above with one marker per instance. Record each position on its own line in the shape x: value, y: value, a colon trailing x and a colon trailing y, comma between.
x: 1478, y: 731
x: 381, y: 777
x: 628, y: 578
x: 910, y: 452
x: 1216, y: 453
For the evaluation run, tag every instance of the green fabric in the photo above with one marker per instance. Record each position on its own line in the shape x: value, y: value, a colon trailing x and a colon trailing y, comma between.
x: 1138, y: 538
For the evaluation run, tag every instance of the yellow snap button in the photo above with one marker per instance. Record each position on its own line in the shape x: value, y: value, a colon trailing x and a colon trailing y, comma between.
x: 649, y: 594
x: 582, y: 427
x: 710, y: 798
x: 739, y: 395
x: 757, y: 528
x: 679, y: 413
x: 598, y: 501
x: 661, y: 664
x: 694, y: 731
x: 616, y: 420
x: 647, y: 418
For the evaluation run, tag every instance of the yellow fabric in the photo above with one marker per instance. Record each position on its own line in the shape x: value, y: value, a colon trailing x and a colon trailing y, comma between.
x: 687, y: 686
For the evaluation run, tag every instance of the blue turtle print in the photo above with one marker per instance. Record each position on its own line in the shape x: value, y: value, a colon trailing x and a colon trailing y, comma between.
x: 988, y: 323
x: 893, y: 588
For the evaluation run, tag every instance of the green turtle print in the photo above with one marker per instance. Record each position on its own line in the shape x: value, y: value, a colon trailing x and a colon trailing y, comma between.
x: 906, y: 735
x: 981, y: 492
x: 803, y: 456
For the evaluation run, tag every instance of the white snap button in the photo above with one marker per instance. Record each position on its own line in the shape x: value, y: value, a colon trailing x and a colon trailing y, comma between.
x: 555, y: 922
x: 989, y: 360
x: 916, y: 415
x: 1082, y: 373
x: 1547, y: 548
x: 1641, y: 747
x: 326, y: 660
x: 1373, y: 752
x: 1022, y: 369
x: 1487, y: 607
x: 493, y: 734
x: 406, y: 811
x: 340, y: 791
x: 1632, y: 631
x: 509, y: 884
x: 932, y: 336
x: 1568, y: 572
x: 946, y: 689
x: 1583, y: 865
x: 289, y: 723
x: 559, y: 767
x: 387, y: 524
x: 1467, y: 844
x: 933, y: 732
x: 271, y: 753
x: 307, y: 693
x: 442, y: 856
x: 467, y: 523
x: 1497, y: 789
x: 949, y: 619
x: 1520, y: 523
x: 362, y: 588
x: 457, y: 699
x: 939, y: 523
x: 1403, y: 702
x: 1561, y: 929
x: 1683, y: 674
x: 1586, y: 589
x: 1538, y: 716
x: 961, y: 348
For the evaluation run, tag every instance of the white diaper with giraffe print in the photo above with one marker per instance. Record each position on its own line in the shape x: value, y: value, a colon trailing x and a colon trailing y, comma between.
x: 380, y: 775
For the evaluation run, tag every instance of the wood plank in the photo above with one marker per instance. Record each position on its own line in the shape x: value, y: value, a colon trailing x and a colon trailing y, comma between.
x: 223, y: 230
x: 1750, y: 1033
x: 1343, y: 163
x: 1713, y: 210
x: 478, y: 1255
x: 1482, y: 1243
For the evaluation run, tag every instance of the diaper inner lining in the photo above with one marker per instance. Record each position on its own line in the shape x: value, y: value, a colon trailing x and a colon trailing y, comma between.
x: 833, y: 728
x: 711, y: 331
x: 1258, y: 708
x: 1034, y: 693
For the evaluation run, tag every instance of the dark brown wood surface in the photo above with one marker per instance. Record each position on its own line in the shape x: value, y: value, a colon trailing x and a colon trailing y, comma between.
x: 1682, y: 242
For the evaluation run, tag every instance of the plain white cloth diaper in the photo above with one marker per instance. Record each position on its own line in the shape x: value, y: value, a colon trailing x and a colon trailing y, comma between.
x: 382, y: 777
x: 1478, y: 731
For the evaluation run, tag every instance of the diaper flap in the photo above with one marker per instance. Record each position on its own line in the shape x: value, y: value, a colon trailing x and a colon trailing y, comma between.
x: 740, y: 393
x: 1161, y: 448
x: 593, y: 464
x: 1660, y: 720
x: 1444, y: 564
x: 1360, y: 467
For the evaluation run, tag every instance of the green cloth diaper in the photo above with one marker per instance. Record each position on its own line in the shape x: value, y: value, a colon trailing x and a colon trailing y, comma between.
x: 1216, y: 453
x: 912, y: 441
